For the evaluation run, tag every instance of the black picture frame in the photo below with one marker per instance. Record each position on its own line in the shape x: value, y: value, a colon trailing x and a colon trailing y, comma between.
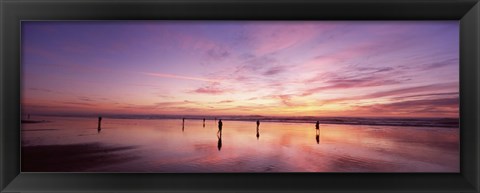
x: 14, y: 11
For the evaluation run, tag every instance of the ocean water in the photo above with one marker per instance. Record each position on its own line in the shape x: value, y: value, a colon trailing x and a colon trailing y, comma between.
x: 74, y: 144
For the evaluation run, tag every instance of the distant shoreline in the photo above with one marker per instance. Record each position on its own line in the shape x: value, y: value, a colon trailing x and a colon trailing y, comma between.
x: 410, y: 122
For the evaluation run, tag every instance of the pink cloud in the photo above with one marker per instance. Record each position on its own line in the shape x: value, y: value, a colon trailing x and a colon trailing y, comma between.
x: 212, y: 89
x: 209, y: 90
x: 447, y: 107
x: 284, y: 99
x: 399, y: 93
x: 417, y: 89
x: 354, y: 78
x: 353, y: 83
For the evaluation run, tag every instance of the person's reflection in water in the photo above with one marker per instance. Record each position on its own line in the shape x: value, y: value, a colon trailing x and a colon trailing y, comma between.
x: 219, y: 136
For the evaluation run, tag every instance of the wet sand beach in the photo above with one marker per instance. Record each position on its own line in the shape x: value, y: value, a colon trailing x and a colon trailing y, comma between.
x: 73, y: 144
x: 71, y: 158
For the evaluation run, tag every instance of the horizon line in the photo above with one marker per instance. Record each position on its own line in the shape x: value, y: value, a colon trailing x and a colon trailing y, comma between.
x: 192, y: 116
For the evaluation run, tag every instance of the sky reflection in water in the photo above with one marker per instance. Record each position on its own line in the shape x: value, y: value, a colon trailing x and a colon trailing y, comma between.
x: 166, y: 146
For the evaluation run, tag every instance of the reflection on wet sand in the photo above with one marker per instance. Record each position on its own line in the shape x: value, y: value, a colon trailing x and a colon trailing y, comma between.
x: 136, y: 145
x: 71, y: 158
x: 219, y: 143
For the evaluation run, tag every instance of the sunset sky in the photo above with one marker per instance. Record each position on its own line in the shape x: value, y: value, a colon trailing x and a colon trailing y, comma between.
x: 270, y: 68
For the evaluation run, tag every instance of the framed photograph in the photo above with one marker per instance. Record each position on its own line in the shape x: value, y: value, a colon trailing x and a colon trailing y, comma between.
x: 314, y: 96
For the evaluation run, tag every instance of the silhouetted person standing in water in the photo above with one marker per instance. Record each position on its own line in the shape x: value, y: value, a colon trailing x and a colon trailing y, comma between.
x: 183, y: 124
x: 203, y: 122
x: 220, y: 124
x: 258, y: 128
x: 99, y: 124
x: 317, y: 125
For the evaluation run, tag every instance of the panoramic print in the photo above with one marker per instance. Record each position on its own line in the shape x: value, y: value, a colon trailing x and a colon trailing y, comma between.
x: 240, y: 96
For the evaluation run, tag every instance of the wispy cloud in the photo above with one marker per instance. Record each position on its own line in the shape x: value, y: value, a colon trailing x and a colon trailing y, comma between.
x: 40, y: 89
x: 159, y: 105
x: 398, y: 94
x: 211, y: 89
x: 211, y: 50
x: 442, y: 106
x: 275, y: 70
x: 255, y: 64
x: 273, y: 37
x: 428, y: 95
x: 416, y: 89
x: 287, y: 100
x: 78, y: 103
x: 163, y: 75
x: 439, y: 64
x: 356, y: 78
x: 85, y: 99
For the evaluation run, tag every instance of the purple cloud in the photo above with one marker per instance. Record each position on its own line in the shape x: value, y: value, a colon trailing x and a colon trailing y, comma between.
x: 211, y: 89
x: 275, y: 70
